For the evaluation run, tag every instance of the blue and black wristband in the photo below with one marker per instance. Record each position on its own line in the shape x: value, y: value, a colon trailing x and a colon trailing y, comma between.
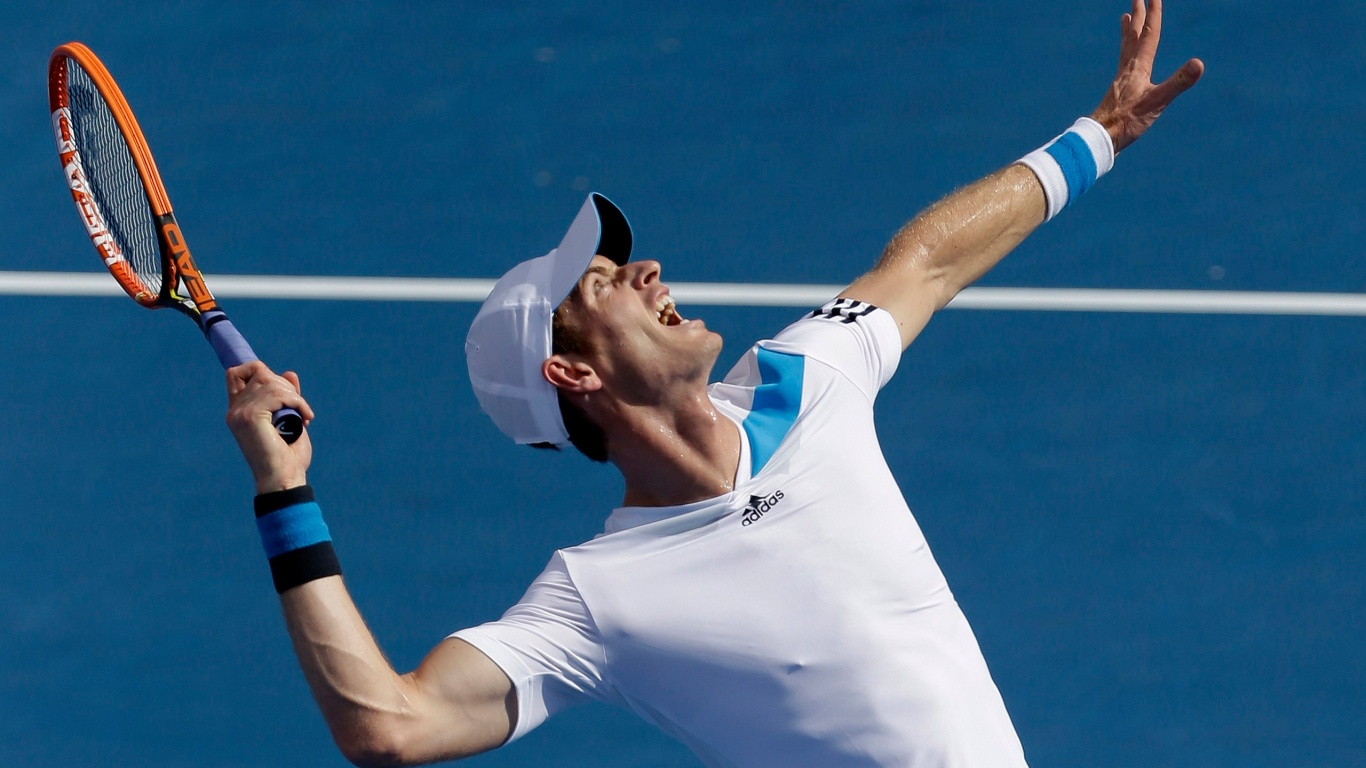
x: 295, y: 537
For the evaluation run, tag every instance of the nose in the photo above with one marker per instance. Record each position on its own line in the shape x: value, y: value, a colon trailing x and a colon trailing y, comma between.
x: 645, y: 272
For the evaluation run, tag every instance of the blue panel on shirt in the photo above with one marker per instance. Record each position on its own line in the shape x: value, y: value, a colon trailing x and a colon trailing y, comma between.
x: 777, y: 400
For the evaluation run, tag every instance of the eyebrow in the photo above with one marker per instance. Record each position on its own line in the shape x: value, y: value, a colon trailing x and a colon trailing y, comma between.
x: 577, y: 293
x: 595, y: 269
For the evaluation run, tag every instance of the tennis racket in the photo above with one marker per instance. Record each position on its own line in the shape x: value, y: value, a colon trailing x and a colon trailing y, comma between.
x: 124, y: 207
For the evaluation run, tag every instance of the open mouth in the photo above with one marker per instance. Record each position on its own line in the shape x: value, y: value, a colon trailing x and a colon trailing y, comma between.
x: 667, y: 313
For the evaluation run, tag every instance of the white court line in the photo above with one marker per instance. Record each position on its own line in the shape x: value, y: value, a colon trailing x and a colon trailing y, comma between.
x: 731, y: 294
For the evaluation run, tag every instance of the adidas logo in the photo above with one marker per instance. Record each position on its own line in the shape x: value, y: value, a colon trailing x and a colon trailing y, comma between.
x: 759, y: 506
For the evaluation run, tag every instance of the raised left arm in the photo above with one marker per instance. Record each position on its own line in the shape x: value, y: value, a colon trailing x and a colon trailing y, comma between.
x: 956, y: 240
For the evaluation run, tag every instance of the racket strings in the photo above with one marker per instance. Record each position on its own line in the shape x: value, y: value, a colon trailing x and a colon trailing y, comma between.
x: 113, y: 177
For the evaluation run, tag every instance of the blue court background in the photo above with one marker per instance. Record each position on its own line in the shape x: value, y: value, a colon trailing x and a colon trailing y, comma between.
x: 1154, y: 523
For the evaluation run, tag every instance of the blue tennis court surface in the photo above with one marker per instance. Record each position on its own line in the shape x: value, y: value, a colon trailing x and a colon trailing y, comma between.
x: 1154, y: 523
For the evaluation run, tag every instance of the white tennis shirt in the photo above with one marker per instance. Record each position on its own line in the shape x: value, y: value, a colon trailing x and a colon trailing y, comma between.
x: 799, y: 620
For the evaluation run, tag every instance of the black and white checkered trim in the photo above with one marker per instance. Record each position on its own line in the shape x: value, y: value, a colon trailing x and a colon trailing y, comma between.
x: 844, y: 310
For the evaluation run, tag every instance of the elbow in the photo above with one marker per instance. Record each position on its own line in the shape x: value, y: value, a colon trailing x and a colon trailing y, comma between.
x: 936, y: 286
x: 942, y: 289
x: 373, y: 748
x: 369, y: 756
x: 914, y: 267
x: 386, y: 746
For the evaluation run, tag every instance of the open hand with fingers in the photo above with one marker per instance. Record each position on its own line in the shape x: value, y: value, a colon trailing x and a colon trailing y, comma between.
x: 254, y: 393
x: 1133, y: 102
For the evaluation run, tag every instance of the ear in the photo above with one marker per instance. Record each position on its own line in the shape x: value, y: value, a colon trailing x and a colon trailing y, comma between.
x: 570, y: 375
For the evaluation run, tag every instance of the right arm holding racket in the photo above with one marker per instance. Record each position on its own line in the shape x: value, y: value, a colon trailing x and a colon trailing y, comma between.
x: 457, y: 703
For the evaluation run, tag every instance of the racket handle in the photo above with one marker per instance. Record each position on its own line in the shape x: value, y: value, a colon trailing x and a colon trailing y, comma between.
x: 232, y: 350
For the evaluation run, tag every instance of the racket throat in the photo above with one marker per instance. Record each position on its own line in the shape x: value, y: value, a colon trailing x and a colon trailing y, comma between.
x: 179, y: 267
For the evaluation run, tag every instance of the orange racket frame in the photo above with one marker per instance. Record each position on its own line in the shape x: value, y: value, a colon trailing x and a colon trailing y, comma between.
x: 177, y: 265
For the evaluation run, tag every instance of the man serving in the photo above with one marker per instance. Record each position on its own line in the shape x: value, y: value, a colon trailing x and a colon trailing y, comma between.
x: 763, y: 593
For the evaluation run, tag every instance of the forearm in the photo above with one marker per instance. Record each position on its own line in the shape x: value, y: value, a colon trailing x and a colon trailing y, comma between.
x: 956, y: 240
x: 357, y: 690
x: 949, y: 245
x: 364, y: 701
x: 959, y: 238
x: 458, y: 703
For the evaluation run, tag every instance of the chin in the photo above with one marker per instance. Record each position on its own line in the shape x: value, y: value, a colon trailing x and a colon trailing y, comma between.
x: 713, y: 346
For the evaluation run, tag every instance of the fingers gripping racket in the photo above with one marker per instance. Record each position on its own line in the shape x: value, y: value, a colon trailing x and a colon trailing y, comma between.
x: 124, y: 207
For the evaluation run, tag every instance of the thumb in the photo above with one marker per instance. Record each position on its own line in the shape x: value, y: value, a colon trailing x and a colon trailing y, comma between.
x: 1180, y: 82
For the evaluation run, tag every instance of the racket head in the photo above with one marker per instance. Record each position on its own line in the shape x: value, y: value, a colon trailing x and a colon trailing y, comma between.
x: 115, y: 185
x: 123, y: 205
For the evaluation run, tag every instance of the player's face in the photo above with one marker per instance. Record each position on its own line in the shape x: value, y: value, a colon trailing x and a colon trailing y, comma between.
x: 639, y: 341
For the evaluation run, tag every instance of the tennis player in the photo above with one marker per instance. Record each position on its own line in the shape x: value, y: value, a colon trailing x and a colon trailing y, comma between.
x: 763, y: 593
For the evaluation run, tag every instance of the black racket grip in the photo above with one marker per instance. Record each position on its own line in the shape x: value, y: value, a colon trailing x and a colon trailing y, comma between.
x: 232, y: 350
x: 289, y: 424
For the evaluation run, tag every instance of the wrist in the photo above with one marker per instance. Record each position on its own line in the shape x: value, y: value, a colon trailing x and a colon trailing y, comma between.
x: 1068, y: 165
x: 1113, y: 127
x: 295, y: 538
x: 274, y: 485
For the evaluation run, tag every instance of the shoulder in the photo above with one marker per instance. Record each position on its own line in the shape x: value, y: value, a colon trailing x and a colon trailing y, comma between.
x: 855, y: 338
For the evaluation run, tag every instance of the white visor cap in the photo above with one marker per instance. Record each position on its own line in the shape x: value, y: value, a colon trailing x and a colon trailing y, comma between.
x: 510, y: 337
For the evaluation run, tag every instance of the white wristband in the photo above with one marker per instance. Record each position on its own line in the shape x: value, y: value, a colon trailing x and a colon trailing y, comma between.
x: 1068, y: 165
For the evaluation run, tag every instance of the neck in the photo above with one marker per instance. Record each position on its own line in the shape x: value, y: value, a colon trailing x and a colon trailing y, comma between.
x: 674, y: 453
